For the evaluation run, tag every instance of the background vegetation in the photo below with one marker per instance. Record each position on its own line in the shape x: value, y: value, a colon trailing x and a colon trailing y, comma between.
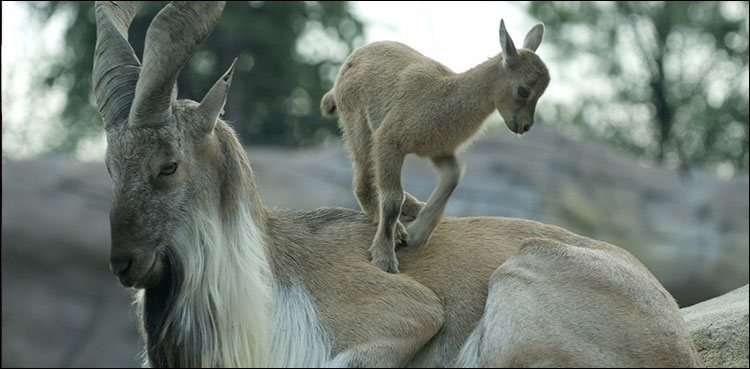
x: 282, y: 79
x: 665, y: 81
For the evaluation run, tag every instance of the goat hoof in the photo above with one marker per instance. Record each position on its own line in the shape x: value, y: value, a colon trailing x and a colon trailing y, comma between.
x: 411, y: 208
x: 386, y: 265
x: 405, y: 218
x: 400, y: 235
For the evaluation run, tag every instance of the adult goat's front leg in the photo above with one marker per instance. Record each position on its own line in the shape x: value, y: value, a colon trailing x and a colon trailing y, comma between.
x: 397, y: 315
x: 390, y: 230
x: 450, y: 171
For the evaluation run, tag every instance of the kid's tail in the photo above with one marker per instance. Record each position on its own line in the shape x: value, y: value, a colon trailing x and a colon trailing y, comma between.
x: 328, y: 104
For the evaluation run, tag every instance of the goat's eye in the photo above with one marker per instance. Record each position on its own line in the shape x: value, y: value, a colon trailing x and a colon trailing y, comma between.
x: 168, y: 169
x: 523, y: 92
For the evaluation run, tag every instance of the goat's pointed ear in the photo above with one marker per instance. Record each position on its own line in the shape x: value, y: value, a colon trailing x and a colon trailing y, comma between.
x: 212, y: 104
x: 510, y: 55
x: 534, y: 37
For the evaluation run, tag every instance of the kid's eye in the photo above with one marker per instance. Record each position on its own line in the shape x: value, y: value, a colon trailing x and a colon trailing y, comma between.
x: 523, y: 92
x: 168, y: 169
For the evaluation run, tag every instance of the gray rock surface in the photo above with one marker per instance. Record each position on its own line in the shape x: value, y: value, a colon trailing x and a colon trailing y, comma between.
x: 720, y: 329
x: 62, y: 307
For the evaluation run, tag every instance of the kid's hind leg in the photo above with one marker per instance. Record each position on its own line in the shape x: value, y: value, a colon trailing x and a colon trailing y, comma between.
x: 358, y: 138
x: 450, y: 170
x: 364, y: 188
x: 390, y: 230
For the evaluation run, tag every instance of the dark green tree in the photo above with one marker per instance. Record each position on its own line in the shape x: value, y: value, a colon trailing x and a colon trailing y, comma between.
x: 288, y: 56
x: 676, y: 76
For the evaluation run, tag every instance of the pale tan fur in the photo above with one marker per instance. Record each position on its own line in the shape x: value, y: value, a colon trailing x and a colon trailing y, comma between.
x: 393, y: 101
x: 228, y: 282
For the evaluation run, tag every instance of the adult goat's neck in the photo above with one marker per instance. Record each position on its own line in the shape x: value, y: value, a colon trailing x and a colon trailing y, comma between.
x: 213, y: 308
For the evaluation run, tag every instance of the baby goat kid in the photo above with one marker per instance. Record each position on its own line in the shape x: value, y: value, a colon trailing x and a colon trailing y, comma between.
x: 393, y: 101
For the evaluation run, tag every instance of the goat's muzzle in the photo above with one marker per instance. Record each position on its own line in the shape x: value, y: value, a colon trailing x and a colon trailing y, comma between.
x: 518, y: 126
x: 120, y: 267
x: 137, y: 268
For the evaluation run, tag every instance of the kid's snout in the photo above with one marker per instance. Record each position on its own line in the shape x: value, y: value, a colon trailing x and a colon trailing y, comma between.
x: 519, y: 126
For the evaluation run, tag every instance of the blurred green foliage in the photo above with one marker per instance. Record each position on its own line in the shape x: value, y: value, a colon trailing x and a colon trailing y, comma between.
x: 278, y: 82
x: 677, y: 77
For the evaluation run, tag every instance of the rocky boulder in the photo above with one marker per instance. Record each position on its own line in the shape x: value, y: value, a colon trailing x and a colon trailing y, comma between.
x: 720, y: 329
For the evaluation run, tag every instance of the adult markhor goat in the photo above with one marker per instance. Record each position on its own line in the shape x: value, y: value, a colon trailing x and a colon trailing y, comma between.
x: 224, y: 281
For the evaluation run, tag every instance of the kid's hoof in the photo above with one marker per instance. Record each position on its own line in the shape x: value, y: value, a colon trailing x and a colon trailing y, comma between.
x: 386, y: 265
x: 411, y: 208
x: 400, y: 235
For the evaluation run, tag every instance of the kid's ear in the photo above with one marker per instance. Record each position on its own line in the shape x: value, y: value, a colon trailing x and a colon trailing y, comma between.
x: 510, y: 55
x: 534, y: 37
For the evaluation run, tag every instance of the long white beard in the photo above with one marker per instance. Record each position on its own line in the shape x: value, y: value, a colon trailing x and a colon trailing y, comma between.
x: 225, y: 297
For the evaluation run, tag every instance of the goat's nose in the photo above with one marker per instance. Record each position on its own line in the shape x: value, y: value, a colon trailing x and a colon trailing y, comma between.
x: 526, y: 127
x: 119, y: 267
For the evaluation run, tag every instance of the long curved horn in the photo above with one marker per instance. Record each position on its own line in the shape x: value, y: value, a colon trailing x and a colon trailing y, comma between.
x: 116, y: 68
x: 173, y: 37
